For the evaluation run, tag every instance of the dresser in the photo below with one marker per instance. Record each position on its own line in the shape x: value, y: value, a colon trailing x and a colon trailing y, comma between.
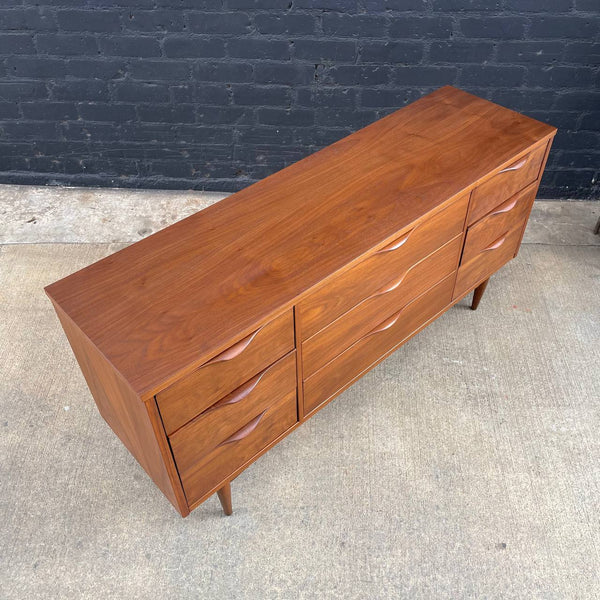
x: 205, y: 344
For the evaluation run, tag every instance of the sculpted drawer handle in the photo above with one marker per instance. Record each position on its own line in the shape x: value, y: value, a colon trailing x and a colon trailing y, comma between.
x: 244, y: 431
x: 235, y: 350
x: 396, y: 244
x: 389, y: 288
x: 496, y: 244
x: 515, y: 167
x: 240, y: 393
x: 506, y: 207
x: 384, y: 326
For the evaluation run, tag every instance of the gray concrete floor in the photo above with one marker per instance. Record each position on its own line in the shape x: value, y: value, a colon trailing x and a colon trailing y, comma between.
x: 467, y: 465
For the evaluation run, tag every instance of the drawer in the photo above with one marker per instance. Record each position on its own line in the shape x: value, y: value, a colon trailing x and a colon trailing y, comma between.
x: 201, y: 474
x: 508, y: 215
x: 505, y: 183
x: 351, y: 326
x: 487, y: 261
x: 344, y: 291
x: 193, y: 394
x: 358, y: 358
x: 232, y: 412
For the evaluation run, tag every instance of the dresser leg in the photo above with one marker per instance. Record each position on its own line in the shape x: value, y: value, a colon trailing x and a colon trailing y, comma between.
x: 478, y: 294
x: 225, y: 498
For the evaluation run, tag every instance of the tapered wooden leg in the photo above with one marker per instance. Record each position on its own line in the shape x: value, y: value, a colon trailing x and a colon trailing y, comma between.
x: 225, y: 498
x: 478, y: 294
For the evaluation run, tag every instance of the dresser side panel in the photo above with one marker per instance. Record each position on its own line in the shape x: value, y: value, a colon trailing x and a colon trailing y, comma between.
x: 135, y: 423
x: 539, y: 181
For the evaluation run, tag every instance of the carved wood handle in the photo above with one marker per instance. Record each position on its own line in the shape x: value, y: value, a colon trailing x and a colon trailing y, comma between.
x: 235, y: 350
x: 388, y: 289
x: 506, y: 207
x: 244, y: 431
x: 240, y: 393
x: 396, y: 243
x: 496, y: 244
x: 384, y: 326
x: 516, y: 166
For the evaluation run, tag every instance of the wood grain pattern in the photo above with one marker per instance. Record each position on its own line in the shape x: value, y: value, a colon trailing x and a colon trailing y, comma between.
x: 168, y: 303
x: 232, y: 412
x: 191, y: 395
x: 344, y: 331
x: 342, y: 292
x: 503, y: 217
x: 356, y: 359
x: 201, y: 474
x: 506, y: 183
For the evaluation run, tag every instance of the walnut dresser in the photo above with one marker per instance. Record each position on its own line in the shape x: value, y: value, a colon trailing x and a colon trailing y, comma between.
x: 208, y: 342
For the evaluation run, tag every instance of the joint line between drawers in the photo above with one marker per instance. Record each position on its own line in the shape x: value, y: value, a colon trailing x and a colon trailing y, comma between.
x: 299, y: 368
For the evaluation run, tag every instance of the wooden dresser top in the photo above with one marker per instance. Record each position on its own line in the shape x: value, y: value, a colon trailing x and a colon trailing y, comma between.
x: 169, y: 302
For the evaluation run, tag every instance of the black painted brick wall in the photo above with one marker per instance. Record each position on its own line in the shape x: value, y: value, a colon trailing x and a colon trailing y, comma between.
x: 215, y: 94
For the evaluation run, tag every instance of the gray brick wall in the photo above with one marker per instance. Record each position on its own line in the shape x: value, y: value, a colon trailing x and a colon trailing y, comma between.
x: 215, y: 94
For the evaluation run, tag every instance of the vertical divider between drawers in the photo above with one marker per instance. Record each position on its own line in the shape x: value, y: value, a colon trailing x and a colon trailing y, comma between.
x: 299, y: 373
x: 464, y: 238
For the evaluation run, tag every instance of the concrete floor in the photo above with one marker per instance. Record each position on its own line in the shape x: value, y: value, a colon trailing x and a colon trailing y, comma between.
x: 467, y: 465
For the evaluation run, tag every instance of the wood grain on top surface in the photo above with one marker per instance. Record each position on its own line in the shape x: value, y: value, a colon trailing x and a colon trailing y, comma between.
x: 180, y: 296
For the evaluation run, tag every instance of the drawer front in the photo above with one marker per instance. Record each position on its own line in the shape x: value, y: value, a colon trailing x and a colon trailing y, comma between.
x: 508, y: 215
x: 344, y: 291
x: 200, y: 475
x: 231, y: 413
x: 487, y: 261
x: 187, y: 398
x: 357, y: 359
x: 505, y: 184
x: 351, y: 326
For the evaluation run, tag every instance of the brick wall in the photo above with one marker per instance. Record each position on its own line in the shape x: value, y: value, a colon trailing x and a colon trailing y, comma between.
x: 215, y: 94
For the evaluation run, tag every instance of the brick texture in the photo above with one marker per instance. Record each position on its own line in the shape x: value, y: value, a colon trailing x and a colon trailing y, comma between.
x: 216, y: 94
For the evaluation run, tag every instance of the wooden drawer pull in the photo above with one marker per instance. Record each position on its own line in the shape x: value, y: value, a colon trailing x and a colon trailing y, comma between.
x: 235, y: 350
x: 496, y: 244
x: 385, y: 325
x: 516, y: 166
x: 396, y: 244
x: 506, y: 207
x: 240, y: 393
x: 388, y: 288
x: 244, y: 431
